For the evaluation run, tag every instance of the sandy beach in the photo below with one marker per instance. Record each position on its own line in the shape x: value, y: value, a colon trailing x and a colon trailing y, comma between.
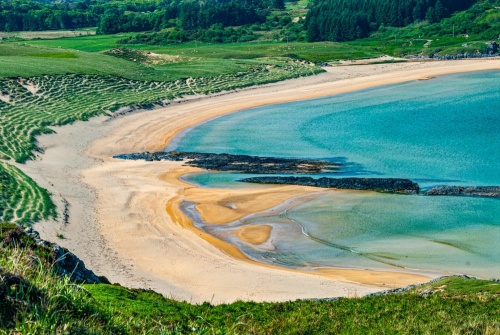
x: 125, y: 221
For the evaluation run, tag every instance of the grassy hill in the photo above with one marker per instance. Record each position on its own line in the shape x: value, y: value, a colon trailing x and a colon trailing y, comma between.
x: 34, y: 299
x: 466, y: 31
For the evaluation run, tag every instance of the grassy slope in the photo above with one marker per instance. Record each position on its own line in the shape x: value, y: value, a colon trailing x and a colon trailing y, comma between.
x: 28, y: 106
x: 251, y: 50
x: 459, y: 306
x: 25, y: 60
x: 33, y: 300
x: 21, y: 199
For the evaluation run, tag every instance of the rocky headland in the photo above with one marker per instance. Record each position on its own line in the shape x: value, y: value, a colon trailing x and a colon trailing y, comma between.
x: 63, y: 262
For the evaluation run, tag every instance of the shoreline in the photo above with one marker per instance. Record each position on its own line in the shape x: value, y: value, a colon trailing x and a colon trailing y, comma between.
x: 125, y: 220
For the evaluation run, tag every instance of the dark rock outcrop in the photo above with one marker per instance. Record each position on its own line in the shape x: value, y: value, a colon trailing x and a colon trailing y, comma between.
x: 68, y: 264
x: 474, y: 191
x: 390, y: 185
x: 65, y: 263
x: 239, y: 163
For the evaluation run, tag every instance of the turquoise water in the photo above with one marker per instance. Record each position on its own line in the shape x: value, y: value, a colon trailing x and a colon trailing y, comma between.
x: 435, y: 132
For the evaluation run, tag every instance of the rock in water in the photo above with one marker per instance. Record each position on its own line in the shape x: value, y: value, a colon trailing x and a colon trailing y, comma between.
x: 239, y: 163
x: 474, y: 191
x: 390, y: 185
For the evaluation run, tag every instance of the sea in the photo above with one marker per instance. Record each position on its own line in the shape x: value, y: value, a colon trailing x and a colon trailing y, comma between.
x: 441, y: 131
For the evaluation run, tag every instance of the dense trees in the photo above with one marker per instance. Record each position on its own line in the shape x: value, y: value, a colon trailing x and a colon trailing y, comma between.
x: 343, y: 20
x: 32, y: 16
x: 169, y: 21
x: 215, y: 34
x: 124, y: 16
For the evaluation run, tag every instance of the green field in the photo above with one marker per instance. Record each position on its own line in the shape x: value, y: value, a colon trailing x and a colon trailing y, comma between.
x: 25, y: 60
x: 320, y: 51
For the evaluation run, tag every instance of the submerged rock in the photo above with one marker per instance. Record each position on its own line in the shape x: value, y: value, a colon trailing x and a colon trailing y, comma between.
x: 390, y: 185
x: 475, y: 191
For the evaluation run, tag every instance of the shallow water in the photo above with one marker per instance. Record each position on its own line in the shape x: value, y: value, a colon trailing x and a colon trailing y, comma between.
x: 436, y: 132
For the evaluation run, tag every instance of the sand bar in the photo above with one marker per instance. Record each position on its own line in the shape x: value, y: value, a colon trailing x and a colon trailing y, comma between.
x: 257, y: 234
x: 125, y: 221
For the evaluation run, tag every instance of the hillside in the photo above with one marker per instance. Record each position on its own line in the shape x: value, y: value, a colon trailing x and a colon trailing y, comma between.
x: 354, y: 19
x: 36, y: 298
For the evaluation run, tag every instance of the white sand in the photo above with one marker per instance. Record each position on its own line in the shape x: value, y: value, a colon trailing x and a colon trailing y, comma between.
x: 118, y: 220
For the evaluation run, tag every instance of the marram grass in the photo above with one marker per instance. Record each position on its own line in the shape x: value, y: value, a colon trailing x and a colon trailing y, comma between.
x: 21, y: 199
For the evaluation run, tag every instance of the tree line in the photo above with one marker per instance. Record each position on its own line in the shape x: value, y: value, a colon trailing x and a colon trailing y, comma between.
x: 345, y: 20
x: 132, y: 16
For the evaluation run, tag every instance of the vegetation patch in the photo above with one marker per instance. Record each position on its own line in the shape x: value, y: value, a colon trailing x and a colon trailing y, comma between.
x: 36, y: 299
x: 55, y: 55
x: 21, y: 199
x: 147, y: 58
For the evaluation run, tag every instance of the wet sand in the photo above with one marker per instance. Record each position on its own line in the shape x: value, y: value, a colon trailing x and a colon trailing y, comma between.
x: 257, y: 234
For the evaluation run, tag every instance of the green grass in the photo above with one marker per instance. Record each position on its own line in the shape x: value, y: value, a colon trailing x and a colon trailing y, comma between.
x: 314, y: 52
x: 24, y: 60
x: 320, y: 51
x: 21, y: 199
x: 296, y: 5
x: 92, y: 43
x: 29, y: 61
x: 34, y: 300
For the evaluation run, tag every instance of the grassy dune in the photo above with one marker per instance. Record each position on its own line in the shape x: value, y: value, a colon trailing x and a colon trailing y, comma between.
x: 25, y: 60
x: 21, y: 199
x: 29, y: 106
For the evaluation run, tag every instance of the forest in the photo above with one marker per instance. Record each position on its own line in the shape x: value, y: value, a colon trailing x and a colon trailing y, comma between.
x: 346, y: 20
x: 117, y: 16
x: 162, y: 22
